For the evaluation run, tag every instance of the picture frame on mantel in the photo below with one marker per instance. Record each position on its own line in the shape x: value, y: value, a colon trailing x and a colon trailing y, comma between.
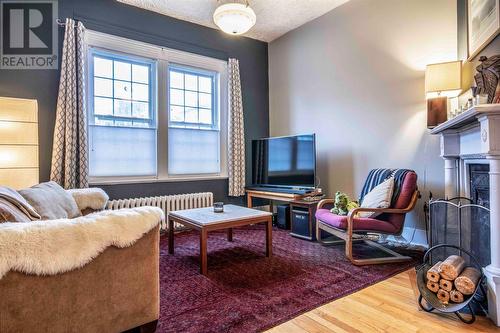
x: 483, y: 24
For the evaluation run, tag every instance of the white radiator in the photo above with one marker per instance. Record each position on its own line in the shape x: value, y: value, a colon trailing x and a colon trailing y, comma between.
x: 167, y: 203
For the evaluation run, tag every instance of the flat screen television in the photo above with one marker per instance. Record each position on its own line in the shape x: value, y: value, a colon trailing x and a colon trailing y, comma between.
x: 285, y: 162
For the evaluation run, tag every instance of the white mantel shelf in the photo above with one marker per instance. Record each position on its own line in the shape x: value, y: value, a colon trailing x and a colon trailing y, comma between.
x: 468, y: 117
x: 474, y: 137
x: 476, y: 132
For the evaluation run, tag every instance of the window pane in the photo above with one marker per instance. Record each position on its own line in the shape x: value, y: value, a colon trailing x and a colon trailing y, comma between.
x: 123, y: 123
x: 191, y: 115
x: 191, y: 98
x: 103, y: 67
x: 122, y: 90
x: 191, y: 82
x: 103, y: 106
x: 176, y: 80
x: 205, y: 116
x: 140, y: 73
x: 205, y: 100
x: 176, y: 97
x: 122, y: 70
x: 192, y: 151
x: 103, y: 87
x: 123, y: 108
x: 140, y: 110
x: 143, y: 124
x: 140, y: 92
x: 205, y: 84
x: 104, y: 122
x: 177, y: 113
x: 119, y: 151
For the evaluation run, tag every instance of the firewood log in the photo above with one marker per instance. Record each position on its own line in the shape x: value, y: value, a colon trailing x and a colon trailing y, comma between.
x: 452, y: 267
x: 443, y: 296
x: 432, y: 286
x: 433, y: 272
x: 446, y: 285
x: 456, y: 296
x: 467, y: 281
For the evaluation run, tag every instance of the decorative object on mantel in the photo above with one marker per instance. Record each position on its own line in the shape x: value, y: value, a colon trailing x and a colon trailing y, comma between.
x: 483, y: 24
x: 442, y: 81
x: 235, y: 17
x: 487, y: 78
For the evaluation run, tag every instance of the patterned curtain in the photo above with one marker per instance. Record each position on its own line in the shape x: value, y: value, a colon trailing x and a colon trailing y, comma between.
x: 69, y: 151
x: 236, y: 133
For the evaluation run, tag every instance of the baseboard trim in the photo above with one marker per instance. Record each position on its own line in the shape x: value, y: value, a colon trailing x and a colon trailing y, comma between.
x: 411, y: 237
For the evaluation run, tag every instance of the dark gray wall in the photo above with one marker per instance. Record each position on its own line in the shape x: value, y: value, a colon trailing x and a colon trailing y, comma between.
x: 491, y: 49
x: 118, y: 19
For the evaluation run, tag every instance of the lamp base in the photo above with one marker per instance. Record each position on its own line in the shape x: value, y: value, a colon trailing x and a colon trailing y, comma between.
x: 437, y: 111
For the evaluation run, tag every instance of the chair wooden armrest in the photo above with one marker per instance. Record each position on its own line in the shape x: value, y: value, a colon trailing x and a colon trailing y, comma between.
x: 325, y: 202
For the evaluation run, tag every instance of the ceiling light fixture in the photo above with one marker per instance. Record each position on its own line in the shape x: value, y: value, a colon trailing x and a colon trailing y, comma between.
x: 235, y: 18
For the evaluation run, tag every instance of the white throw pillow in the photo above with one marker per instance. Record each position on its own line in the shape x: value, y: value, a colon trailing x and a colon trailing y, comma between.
x: 379, y: 197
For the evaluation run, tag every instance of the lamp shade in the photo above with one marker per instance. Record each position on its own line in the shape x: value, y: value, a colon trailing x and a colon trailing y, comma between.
x: 443, y: 79
x: 18, y: 142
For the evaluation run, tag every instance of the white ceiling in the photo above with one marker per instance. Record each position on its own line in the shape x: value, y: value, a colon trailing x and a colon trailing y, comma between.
x: 274, y: 17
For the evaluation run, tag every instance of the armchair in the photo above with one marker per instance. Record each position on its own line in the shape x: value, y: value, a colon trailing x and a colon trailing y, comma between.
x: 352, y: 229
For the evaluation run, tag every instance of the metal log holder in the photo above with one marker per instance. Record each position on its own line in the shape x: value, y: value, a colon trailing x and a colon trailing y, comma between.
x: 433, y: 303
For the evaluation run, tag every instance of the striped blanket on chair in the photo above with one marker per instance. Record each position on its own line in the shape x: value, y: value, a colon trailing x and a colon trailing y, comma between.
x: 377, y: 176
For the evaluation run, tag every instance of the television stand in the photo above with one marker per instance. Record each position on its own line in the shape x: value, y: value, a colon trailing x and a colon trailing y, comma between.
x: 270, y: 195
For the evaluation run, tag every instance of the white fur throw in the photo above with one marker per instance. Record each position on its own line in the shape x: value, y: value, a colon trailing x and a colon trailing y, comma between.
x: 57, y: 246
x: 93, y: 198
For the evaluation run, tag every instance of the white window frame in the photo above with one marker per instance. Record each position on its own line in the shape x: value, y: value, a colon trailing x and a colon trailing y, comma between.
x: 164, y: 57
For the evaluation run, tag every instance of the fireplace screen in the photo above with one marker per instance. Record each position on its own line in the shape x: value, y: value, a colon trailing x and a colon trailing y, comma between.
x: 462, y: 223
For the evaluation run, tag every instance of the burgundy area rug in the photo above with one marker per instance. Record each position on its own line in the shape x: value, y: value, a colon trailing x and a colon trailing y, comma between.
x: 247, y: 292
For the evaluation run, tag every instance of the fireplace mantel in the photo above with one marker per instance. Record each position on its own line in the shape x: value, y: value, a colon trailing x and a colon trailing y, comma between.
x: 470, y: 116
x: 475, y: 136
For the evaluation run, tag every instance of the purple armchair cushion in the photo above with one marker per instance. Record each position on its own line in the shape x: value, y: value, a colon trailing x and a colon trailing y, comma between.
x: 360, y: 224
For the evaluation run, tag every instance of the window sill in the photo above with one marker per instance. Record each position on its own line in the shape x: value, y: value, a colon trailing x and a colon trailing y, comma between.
x: 122, y: 181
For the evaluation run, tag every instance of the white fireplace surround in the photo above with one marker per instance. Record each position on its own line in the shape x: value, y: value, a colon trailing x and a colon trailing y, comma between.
x: 470, y: 138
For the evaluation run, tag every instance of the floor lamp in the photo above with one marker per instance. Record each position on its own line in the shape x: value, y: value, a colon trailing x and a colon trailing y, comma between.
x: 18, y: 142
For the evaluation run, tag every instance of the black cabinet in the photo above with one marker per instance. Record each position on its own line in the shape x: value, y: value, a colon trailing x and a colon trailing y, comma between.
x: 303, y: 222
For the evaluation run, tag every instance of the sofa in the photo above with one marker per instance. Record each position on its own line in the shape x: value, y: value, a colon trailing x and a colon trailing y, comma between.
x: 88, y: 270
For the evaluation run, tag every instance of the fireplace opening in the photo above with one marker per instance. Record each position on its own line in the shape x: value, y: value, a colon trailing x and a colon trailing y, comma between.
x: 479, y: 184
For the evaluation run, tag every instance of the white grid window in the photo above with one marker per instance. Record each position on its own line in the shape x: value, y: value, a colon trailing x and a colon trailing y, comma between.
x: 154, y: 113
x: 122, y: 116
x: 193, y: 136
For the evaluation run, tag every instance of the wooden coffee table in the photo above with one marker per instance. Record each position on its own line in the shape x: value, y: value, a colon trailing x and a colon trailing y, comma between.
x: 205, y: 220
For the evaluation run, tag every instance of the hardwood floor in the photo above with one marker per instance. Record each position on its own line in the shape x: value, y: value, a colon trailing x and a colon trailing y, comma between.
x: 388, y: 306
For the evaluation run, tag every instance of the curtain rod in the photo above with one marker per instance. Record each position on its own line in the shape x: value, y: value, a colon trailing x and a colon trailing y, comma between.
x: 62, y: 23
